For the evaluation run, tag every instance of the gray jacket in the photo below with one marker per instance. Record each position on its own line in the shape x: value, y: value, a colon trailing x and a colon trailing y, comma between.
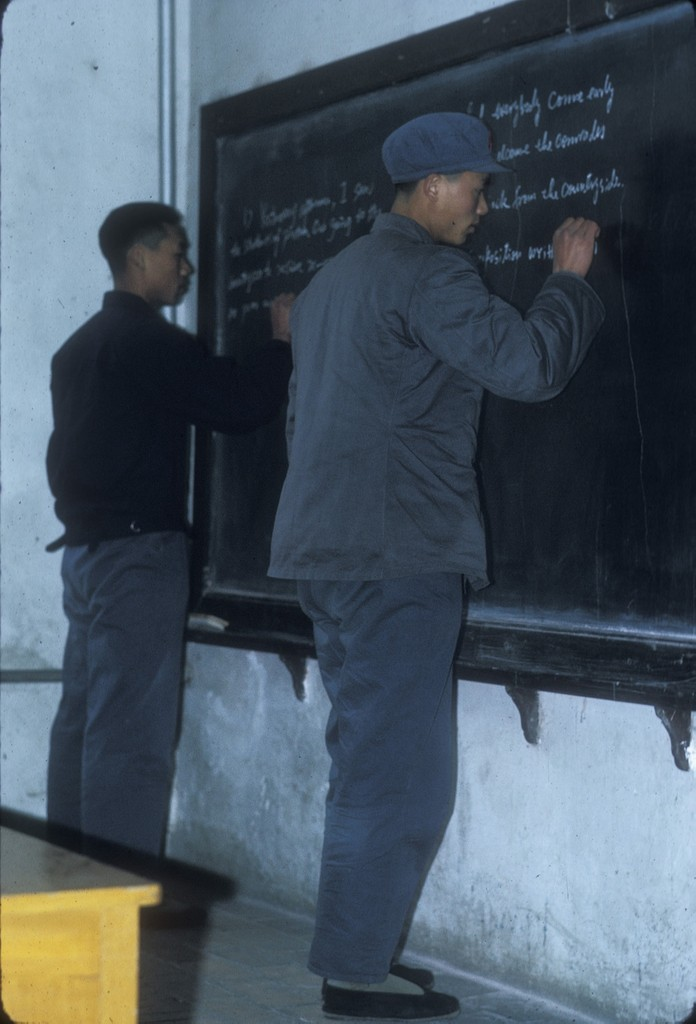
x: 394, y: 342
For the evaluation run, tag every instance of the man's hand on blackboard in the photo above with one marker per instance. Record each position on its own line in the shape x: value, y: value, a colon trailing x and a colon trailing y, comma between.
x: 280, y: 315
x: 574, y: 245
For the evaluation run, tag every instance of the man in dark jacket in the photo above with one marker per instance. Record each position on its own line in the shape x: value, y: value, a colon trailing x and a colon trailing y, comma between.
x: 394, y: 342
x: 125, y: 388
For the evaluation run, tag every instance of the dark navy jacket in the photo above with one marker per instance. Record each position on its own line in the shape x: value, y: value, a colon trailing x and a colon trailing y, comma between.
x: 394, y: 342
x: 124, y: 388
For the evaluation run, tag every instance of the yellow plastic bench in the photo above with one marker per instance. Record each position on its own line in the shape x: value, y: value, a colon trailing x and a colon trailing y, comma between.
x: 69, y: 931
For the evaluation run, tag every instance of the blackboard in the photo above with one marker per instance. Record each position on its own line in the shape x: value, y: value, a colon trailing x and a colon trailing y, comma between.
x: 590, y: 498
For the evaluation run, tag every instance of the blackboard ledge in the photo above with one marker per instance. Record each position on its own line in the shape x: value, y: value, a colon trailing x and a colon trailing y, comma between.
x: 622, y: 664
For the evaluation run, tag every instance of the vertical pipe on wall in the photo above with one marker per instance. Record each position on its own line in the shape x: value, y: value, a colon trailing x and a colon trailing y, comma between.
x: 166, y: 57
x: 167, y: 101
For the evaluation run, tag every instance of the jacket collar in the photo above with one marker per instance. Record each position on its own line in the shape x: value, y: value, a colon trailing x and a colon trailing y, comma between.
x: 404, y: 225
x: 127, y: 300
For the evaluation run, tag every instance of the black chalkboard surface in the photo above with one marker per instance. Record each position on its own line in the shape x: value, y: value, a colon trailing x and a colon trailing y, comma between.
x: 590, y: 498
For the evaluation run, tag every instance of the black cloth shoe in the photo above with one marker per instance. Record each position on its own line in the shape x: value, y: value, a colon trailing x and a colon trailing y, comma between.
x: 358, y: 1004
x: 417, y: 975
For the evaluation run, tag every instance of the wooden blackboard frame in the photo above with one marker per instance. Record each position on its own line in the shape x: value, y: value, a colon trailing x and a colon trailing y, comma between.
x: 657, y: 668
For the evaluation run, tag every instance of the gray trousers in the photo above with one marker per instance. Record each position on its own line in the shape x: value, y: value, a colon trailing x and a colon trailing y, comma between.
x: 112, y: 742
x: 386, y: 651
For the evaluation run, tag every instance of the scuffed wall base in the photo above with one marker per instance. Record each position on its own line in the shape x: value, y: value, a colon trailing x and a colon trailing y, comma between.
x: 27, y: 711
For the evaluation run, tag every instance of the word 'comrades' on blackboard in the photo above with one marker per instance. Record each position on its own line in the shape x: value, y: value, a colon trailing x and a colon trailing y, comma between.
x: 590, y: 499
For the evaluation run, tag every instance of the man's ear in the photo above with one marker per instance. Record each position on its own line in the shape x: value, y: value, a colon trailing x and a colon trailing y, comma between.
x: 431, y: 186
x: 135, y: 257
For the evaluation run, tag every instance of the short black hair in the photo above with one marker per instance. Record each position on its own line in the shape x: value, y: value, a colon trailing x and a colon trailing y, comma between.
x: 132, y: 223
x: 405, y: 188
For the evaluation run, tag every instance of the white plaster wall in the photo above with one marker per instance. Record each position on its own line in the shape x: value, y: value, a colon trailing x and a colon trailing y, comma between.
x: 242, y: 46
x: 79, y: 135
x: 26, y: 714
x: 251, y: 775
x: 557, y: 868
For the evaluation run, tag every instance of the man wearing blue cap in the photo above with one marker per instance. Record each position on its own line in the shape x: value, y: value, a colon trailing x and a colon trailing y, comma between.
x: 394, y: 342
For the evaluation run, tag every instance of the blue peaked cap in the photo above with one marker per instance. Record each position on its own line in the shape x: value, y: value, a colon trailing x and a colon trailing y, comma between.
x: 444, y: 143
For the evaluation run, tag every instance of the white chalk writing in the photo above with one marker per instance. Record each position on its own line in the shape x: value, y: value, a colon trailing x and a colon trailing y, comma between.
x: 556, y: 139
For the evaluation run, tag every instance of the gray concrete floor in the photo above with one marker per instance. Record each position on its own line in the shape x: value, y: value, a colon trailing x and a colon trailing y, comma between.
x: 246, y: 966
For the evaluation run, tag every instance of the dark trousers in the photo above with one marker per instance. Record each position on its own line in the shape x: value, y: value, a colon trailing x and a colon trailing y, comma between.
x: 386, y: 651
x: 113, y: 738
